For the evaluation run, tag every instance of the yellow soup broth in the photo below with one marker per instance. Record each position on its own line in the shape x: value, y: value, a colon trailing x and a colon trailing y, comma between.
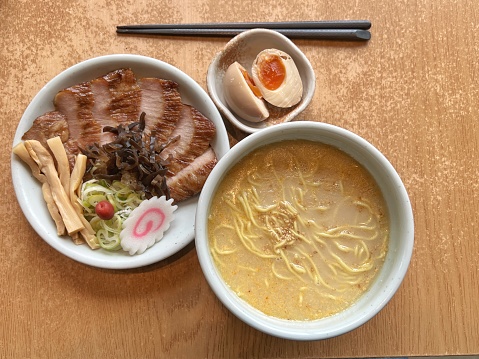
x: 298, y: 229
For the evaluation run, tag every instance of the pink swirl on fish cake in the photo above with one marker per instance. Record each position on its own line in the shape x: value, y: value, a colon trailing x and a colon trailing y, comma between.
x: 144, y: 224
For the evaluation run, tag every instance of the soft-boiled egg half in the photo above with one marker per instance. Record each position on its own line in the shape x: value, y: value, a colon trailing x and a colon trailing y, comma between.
x: 241, y: 94
x: 277, y: 77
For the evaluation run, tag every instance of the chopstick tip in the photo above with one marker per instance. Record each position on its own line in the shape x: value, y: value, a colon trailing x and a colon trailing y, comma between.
x: 363, y: 35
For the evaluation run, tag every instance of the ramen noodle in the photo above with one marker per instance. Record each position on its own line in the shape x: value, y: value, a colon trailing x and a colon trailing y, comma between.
x: 298, y: 229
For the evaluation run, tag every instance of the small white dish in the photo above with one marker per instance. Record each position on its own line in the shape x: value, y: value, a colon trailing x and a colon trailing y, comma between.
x: 401, y: 239
x: 244, y: 48
x: 28, y: 189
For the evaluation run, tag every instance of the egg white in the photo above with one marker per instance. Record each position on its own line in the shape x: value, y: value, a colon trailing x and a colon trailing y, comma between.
x: 239, y: 96
x: 290, y: 92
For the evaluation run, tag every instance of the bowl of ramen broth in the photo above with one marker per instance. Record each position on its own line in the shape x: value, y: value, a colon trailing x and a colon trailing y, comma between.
x: 304, y: 230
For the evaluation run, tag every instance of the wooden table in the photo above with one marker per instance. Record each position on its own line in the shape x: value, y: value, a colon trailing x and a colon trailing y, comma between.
x: 412, y: 91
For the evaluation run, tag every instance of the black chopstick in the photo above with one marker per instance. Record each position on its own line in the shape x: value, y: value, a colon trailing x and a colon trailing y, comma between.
x: 324, y: 24
x: 321, y: 34
x: 324, y: 34
x: 325, y: 29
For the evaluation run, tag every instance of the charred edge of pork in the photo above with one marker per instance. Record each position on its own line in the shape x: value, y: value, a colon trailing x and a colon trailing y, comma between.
x: 133, y: 158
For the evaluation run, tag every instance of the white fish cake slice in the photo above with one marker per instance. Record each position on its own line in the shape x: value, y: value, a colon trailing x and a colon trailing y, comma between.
x: 146, y: 224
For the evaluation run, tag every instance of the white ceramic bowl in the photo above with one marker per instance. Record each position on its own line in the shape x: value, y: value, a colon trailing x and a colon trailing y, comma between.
x: 400, y: 243
x: 28, y: 190
x: 244, y: 48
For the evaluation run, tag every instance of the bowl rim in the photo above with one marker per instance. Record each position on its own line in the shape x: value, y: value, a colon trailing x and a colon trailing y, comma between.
x: 297, y: 54
x: 368, y: 305
x: 38, y: 105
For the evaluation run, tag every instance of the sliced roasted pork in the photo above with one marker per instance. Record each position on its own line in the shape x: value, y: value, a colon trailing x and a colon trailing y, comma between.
x: 195, y: 133
x: 49, y: 125
x: 125, y: 96
x: 190, y: 180
x: 106, y: 101
x: 76, y: 103
x: 161, y: 102
x: 118, y: 98
x: 101, y: 108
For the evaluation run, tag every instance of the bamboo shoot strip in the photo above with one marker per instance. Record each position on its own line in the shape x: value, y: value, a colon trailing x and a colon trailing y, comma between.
x: 46, y: 164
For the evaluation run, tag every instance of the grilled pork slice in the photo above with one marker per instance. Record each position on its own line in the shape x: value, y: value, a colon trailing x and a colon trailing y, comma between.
x: 161, y: 102
x: 105, y: 101
x: 190, y: 180
x: 125, y: 94
x: 49, y: 125
x: 76, y: 104
x: 195, y: 133
x: 118, y: 98
x: 101, y: 108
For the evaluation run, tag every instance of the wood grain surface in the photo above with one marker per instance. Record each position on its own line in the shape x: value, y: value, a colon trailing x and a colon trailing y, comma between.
x: 412, y: 91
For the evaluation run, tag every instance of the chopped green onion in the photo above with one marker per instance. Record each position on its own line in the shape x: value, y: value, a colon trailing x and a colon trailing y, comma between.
x: 123, y: 199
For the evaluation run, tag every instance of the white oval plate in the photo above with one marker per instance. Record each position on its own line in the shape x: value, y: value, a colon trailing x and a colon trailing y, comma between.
x: 28, y: 190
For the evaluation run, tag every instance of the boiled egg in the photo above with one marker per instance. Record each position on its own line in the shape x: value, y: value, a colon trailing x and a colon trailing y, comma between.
x: 277, y: 77
x: 241, y: 94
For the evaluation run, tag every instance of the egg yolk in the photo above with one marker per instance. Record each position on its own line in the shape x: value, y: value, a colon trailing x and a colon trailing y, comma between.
x: 271, y: 71
x: 251, y: 84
